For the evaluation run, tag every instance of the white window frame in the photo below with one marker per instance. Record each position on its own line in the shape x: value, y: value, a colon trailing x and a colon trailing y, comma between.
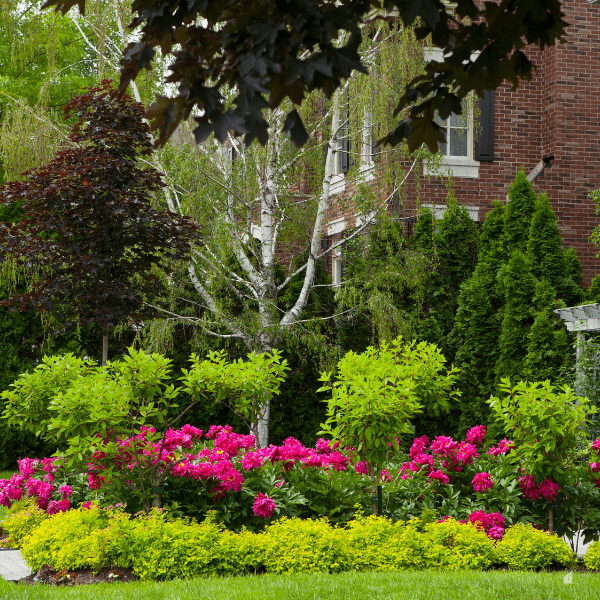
x: 336, y: 268
x: 454, y: 166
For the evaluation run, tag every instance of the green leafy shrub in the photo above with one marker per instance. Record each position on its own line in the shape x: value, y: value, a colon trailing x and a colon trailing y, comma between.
x: 304, y: 546
x: 74, y: 539
x: 525, y: 548
x: 158, y: 547
x: 161, y: 548
x: 21, y: 520
x: 592, y: 557
x: 454, y: 545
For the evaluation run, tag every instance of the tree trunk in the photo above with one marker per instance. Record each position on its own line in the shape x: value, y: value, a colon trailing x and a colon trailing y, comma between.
x: 262, y: 426
x: 374, y: 493
x: 550, y: 520
x: 104, y: 347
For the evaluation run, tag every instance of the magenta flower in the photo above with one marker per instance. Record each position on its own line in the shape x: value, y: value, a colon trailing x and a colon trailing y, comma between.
x: 495, y: 533
x: 439, y: 476
x: 595, y: 467
x: 443, y: 445
x: 482, y: 482
x: 65, y: 490
x: 527, y: 484
x: 419, y: 446
x: 549, y: 489
x: 252, y: 460
x: 361, y: 467
x: 596, y: 445
x: 504, y: 447
x: 263, y: 506
x: 476, y: 435
x: 466, y: 453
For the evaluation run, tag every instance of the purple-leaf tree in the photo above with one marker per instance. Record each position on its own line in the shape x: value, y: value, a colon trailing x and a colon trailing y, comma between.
x: 89, y: 232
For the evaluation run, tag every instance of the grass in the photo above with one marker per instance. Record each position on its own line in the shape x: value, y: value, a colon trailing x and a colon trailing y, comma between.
x: 422, y: 585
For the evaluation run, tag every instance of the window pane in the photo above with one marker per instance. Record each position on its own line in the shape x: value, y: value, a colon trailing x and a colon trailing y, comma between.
x: 458, y: 142
x: 458, y: 120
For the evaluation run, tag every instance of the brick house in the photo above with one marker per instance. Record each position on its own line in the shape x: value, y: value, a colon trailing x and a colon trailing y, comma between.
x: 550, y: 127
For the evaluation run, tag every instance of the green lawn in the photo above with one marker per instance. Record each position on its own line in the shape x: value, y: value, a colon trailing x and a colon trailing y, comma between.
x: 426, y: 585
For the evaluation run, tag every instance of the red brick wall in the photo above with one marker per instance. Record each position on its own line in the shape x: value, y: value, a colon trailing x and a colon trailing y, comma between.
x: 556, y: 113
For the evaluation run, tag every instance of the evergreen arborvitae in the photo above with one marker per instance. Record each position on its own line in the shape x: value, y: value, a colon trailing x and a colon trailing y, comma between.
x: 475, y: 337
x: 518, y: 214
x: 547, y: 257
x: 491, y: 247
x: 549, y: 348
x: 593, y: 293
x: 454, y: 247
x: 518, y: 285
x: 544, y: 245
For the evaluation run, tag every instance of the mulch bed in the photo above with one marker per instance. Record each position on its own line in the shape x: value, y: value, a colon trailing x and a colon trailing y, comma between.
x: 49, y: 576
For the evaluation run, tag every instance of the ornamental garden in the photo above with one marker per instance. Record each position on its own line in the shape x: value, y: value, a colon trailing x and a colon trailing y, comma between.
x: 132, y: 490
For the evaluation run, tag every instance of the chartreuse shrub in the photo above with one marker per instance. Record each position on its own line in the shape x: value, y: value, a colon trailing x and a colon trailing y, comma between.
x: 592, y: 557
x: 21, y: 520
x: 525, y: 548
x: 158, y: 547
x: 75, y: 539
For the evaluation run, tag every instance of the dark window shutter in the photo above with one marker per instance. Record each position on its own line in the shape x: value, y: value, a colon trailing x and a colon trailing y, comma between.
x: 484, y: 145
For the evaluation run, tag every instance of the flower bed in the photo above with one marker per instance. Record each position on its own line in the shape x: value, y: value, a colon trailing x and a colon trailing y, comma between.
x: 157, y: 546
x: 223, y: 471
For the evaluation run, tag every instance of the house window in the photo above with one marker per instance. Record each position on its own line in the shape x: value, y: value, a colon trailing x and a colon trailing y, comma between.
x: 337, y: 269
x: 459, y: 135
x: 463, y: 152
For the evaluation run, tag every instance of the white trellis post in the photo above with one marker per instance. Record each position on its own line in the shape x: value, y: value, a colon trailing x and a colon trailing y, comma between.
x: 580, y: 319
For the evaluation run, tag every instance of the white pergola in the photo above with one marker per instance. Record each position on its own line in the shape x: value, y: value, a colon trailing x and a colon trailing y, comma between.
x: 581, y: 318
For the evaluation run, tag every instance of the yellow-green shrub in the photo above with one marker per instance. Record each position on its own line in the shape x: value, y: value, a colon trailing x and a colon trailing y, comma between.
x: 455, y: 545
x: 303, y: 546
x: 75, y: 539
x: 592, y: 557
x: 525, y: 548
x: 21, y: 521
x: 161, y: 548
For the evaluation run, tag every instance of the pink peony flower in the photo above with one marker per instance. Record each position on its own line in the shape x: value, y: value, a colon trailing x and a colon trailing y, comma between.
x: 595, y: 467
x: 476, y: 435
x: 443, y: 445
x: 504, y: 447
x: 596, y: 445
x: 263, y: 506
x: 495, y: 533
x: 549, y: 489
x: 252, y: 460
x: 482, y: 482
x: 386, y: 476
x: 527, y: 484
x: 337, y: 461
x: 466, y: 453
x: 65, y: 490
x: 419, y: 446
x: 439, y: 476
x: 361, y: 467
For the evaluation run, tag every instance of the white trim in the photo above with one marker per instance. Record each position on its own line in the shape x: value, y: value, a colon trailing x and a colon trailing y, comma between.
x: 438, y: 211
x: 336, y: 269
x: 455, y: 166
x: 336, y: 226
x: 338, y: 184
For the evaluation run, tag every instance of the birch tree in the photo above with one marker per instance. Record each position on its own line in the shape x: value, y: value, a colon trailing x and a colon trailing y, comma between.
x: 264, y: 207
